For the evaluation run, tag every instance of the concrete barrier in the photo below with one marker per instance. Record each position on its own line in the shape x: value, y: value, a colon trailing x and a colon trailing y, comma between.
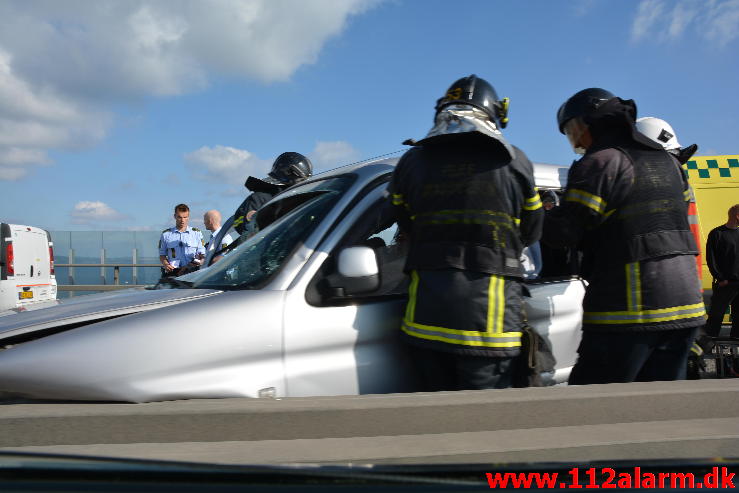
x: 696, y: 419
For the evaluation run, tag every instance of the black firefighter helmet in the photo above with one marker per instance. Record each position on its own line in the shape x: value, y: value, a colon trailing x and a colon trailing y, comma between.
x: 476, y: 92
x: 290, y: 168
x: 582, y: 104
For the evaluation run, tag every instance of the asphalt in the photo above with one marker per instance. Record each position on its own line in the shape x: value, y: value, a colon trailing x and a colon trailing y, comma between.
x: 690, y: 419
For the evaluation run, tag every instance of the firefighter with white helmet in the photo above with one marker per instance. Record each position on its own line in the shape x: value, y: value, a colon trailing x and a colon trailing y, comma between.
x: 662, y: 133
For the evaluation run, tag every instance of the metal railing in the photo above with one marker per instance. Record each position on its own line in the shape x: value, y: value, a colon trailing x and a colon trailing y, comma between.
x: 72, y: 286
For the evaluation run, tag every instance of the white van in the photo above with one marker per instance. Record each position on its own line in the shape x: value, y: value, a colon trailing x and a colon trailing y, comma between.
x: 26, y: 267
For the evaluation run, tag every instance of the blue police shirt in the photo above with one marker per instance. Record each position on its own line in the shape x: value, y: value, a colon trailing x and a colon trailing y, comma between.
x: 181, y: 247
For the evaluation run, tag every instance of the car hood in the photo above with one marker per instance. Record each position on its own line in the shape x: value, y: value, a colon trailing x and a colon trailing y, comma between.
x: 91, y: 308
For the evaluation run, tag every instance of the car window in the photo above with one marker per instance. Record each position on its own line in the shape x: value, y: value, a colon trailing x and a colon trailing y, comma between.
x: 258, y: 258
x: 375, y: 229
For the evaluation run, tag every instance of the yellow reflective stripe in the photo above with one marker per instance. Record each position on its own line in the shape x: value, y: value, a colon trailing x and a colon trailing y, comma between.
x: 410, y: 309
x: 496, y: 305
x: 633, y: 287
x: 532, y: 203
x: 646, y: 316
x: 467, y: 333
x: 446, y: 217
x: 587, y: 199
x: 479, y: 339
x: 492, y: 305
x: 397, y: 199
x: 608, y: 214
x: 465, y: 220
x: 238, y: 220
x: 456, y: 212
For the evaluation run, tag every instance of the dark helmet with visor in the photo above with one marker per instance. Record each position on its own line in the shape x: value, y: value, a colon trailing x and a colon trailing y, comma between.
x: 290, y: 168
x: 476, y: 92
x: 582, y: 104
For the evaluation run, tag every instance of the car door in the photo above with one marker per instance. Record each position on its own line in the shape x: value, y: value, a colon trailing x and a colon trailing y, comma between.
x: 349, y: 343
x: 338, y: 344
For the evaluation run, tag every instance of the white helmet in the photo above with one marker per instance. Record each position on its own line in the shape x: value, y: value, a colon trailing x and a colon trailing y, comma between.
x: 659, y: 131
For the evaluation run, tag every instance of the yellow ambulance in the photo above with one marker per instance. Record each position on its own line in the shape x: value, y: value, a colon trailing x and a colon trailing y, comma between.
x: 715, y: 183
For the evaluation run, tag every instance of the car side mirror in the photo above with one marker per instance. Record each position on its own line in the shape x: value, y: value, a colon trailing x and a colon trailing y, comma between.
x: 358, y: 269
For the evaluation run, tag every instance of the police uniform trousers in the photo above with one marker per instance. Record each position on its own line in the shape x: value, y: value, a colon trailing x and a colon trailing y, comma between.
x: 463, y: 328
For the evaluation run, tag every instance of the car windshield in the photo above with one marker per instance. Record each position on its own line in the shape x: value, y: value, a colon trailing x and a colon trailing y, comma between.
x: 286, y: 224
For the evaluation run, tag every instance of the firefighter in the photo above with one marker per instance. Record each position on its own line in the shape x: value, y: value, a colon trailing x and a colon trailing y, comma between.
x: 662, y: 133
x: 288, y: 169
x: 625, y: 207
x: 465, y: 199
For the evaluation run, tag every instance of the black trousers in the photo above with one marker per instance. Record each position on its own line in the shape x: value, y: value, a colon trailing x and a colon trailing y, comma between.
x: 613, y: 357
x: 441, y: 370
x: 721, y: 298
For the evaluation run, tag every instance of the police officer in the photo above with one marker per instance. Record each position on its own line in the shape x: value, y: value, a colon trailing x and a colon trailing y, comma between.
x: 288, y: 169
x: 180, y: 247
x: 625, y: 207
x: 212, y: 221
x: 465, y: 198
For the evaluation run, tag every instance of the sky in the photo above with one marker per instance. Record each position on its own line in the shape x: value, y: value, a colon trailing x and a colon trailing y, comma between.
x: 112, y: 112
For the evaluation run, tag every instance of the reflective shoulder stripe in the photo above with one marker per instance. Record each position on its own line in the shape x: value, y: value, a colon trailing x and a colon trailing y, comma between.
x: 397, y: 199
x: 587, y: 199
x: 239, y: 220
x: 646, y: 316
x: 532, y: 203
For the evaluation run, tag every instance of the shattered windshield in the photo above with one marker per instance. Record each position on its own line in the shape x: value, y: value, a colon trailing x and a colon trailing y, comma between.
x: 286, y: 224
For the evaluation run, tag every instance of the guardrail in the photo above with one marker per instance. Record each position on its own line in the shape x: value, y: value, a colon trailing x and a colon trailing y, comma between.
x: 101, y: 287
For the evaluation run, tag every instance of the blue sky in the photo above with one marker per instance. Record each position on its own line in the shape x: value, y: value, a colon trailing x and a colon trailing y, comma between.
x: 113, y: 112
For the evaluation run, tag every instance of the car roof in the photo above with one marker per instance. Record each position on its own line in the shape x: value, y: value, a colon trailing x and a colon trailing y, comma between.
x: 547, y: 176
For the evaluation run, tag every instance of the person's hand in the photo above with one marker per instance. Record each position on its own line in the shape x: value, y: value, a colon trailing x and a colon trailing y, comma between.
x: 168, y: 267
x: 250, y: 214
x: 723, y: 284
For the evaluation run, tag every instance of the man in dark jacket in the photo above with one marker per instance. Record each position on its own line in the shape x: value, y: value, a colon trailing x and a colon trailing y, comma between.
x: 722, y: 256
x: 288, y: 169
x: 625, y: 207
x: 466, y: 200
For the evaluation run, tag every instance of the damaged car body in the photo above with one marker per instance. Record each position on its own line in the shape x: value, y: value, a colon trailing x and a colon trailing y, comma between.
x: 311, y: 305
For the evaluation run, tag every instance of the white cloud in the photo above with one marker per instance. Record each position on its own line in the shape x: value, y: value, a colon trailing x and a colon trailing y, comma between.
x: 62, y: 64
x: 328, y: 155
x: 231, y: 166
x: 666, y: 21
x: 582, y: 7
x: 224, y: 164
x: 89, y: 212
x: 33, y: 119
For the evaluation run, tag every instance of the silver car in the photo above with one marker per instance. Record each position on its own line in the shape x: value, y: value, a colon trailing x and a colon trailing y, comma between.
x: 309, y: 306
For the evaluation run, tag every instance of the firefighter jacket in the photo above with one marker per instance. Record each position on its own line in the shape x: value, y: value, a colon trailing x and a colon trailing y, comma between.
x: 625, y: 207
x: 262, y: 192
x: 468, y: 208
